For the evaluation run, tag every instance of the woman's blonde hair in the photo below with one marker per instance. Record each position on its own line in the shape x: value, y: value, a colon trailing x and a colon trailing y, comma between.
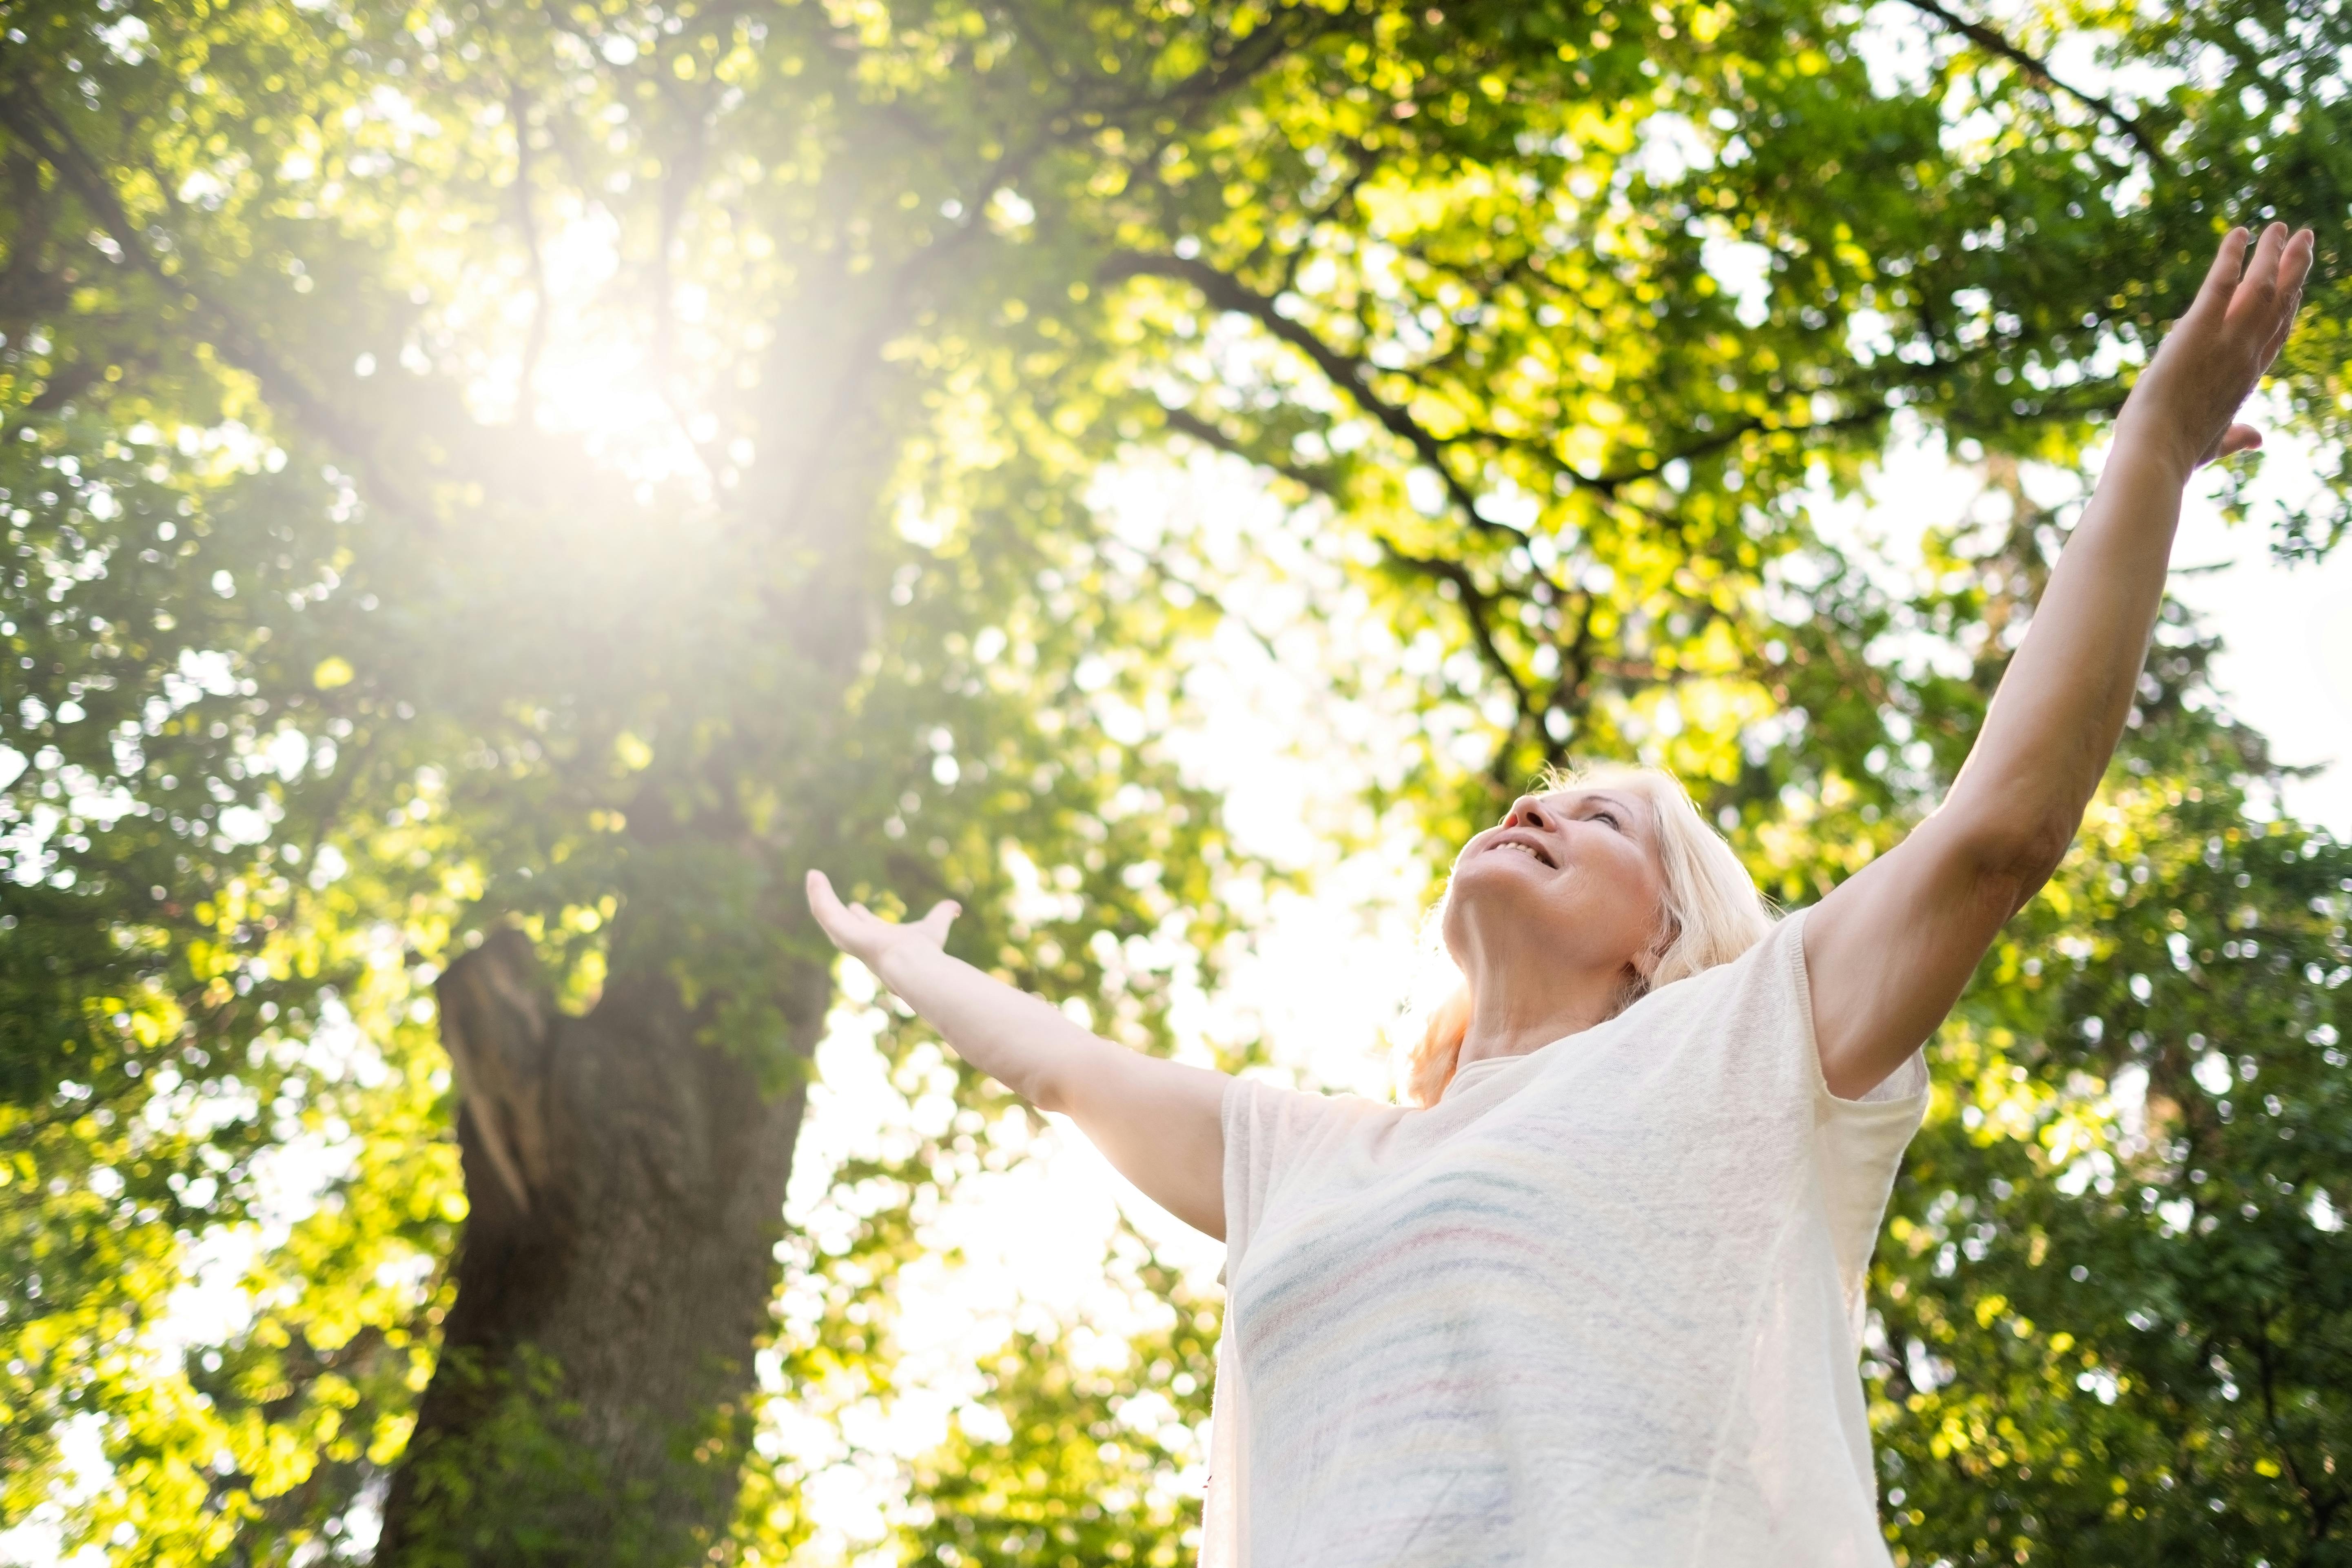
x: 1713, y: 912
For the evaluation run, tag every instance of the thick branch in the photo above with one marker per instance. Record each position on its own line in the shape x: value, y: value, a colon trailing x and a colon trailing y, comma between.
x: 1990, y: 40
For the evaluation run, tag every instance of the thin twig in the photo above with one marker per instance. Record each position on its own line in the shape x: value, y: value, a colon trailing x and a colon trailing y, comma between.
x: 535, y: 339
x: 1991, y: 41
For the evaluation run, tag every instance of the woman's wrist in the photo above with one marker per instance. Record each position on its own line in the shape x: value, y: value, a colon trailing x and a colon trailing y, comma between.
x: 2150, y: 455
x: 901, y: 964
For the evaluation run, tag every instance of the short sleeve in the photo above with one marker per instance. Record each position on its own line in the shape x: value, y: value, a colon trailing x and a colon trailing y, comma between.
x: 1858, y: 1143
x: 1905, y: 1083
x: 1266, y: 1129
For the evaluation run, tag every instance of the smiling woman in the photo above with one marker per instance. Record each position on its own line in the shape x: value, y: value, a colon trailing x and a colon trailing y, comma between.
x: 1691, y: 907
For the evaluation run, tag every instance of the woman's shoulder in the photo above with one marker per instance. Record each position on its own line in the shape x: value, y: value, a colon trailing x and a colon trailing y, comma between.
x: 1266, y: 1105
x: 1770, y: 973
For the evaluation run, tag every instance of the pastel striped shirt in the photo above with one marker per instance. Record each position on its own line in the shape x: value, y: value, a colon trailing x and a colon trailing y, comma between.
x: 1597, y: 1306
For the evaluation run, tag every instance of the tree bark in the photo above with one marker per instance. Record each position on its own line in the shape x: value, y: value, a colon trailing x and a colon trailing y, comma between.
x: 592, y: 1403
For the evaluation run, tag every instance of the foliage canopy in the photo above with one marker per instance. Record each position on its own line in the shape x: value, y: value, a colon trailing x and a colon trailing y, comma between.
x: 574, y: 467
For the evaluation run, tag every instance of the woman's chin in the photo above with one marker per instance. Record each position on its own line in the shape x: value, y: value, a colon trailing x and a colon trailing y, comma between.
x: 1501, y: 868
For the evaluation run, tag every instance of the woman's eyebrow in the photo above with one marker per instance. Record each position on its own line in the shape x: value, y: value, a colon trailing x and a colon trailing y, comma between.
x: 1624, y: 805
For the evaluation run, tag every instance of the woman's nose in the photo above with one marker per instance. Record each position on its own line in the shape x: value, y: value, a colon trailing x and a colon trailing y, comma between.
x: 1525, y: 812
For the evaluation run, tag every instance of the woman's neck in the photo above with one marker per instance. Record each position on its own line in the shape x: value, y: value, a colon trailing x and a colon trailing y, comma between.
x: 1510, y: 1020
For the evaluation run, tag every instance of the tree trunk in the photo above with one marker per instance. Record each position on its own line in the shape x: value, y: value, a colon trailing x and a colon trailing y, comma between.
x: 591, y: 1400
x: 592, y: 1403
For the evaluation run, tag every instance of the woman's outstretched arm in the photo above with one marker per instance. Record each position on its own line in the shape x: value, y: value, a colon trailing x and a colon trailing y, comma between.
x: 1890, y: 950
x: 1158, y: 1121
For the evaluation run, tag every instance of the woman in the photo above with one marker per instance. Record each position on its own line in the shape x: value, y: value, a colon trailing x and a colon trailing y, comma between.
x: 1595, y: 1299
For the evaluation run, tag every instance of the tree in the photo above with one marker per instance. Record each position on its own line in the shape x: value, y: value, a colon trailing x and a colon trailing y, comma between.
x: 350, y: 661
x: 466, y: 683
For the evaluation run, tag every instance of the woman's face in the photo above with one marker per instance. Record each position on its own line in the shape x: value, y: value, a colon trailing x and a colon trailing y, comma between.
x: 1573, y: 876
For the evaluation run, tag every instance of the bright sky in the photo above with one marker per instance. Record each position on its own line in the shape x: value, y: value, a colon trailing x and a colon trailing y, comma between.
x: 2286, y: 660
x: 2286, y: 664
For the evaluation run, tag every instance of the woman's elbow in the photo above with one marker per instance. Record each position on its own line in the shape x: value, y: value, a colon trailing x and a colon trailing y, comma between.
x: 1045, y: 1090
x: 2012, y: 862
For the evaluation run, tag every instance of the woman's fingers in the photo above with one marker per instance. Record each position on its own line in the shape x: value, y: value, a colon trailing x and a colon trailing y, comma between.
x: 2222, y: 278
x: 2286, y: 270
x: 2259, y: 288
x: 2294, y: 270
x: 2274, y: 279
x: 826, y: 905
x: 2219, y: 352
x: 2286, y: 326
x: 856, y: 930
x: 2295, y: 266
x: 845, y: 924
x: 2248, y: 284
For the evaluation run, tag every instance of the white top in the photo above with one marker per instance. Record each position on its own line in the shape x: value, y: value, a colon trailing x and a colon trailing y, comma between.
x: 1597, y: 1306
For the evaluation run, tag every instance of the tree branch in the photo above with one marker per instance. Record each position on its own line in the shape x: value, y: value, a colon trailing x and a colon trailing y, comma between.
x: 535, y: 340
x: 1252, y: 55
x: 1184, y: 422
x: 1754, y: 425
x: 1476, y: 602
x: 55, y: 143
x: 1354, y: 376
x: 1990, y: 40
x: 1351, y: 375
x: 1341, y: 199
x: 681, y: 173
x: 1577, y: 666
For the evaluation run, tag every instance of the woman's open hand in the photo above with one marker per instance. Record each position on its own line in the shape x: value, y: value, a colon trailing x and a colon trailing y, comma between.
x: 866, y: 936
x: 1160, y: 1121
x: 2187, y: 401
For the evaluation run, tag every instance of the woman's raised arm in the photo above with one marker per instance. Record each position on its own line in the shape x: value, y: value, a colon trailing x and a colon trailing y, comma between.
x: 1890, y: 950
x: 1158, y: 1121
